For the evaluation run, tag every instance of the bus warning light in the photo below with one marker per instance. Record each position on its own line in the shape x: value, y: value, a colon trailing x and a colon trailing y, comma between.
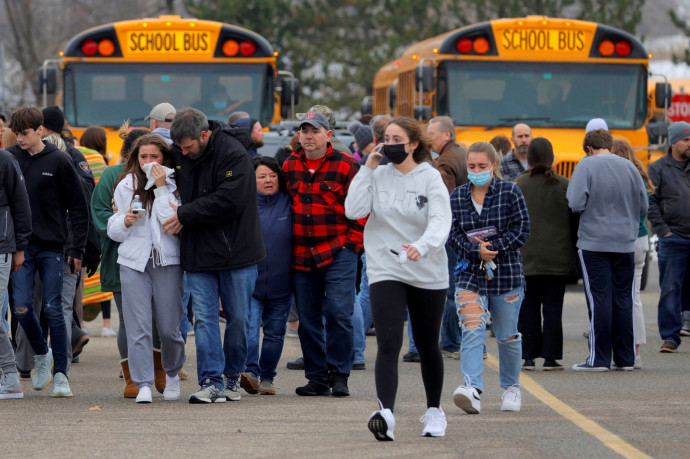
x: 247, y: 48
x: 106, y: 47
x: 464, y: 45
x: 480, y: 45
x: 89, y: 47
x: 606, y: 48
x: 623, y: 48
x: 435, y: 50
x: 231, y: 48
x: 275, y: 53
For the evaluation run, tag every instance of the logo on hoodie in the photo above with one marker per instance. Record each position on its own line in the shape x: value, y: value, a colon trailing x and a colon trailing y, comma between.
x: 47, y: 173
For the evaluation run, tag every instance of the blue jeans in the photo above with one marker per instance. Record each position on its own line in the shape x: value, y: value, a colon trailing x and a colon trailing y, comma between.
x: 327, y: 292
x: 505, y: 309
x: 361, y: 316
x: 49, y: 266
x: 273, y: 314
x: 184, y: 323
x: 674, y: 264
x: 234, y: 287
x: 450, y: 328
x: 5, y: 305
x: 411, y: 347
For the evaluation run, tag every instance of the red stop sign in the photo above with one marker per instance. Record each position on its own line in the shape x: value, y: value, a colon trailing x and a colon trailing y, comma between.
x: 680, y: 108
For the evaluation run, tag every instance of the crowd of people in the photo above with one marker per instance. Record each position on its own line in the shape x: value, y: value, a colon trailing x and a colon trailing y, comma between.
x: 455, y: 241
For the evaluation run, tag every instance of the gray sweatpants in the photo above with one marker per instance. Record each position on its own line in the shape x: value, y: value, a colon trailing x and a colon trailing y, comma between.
x: 7, y: 364
x: 156, y: 292
x: 25, y: 353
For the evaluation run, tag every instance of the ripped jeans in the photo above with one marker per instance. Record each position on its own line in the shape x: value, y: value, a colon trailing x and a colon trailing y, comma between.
x: 472, y: 311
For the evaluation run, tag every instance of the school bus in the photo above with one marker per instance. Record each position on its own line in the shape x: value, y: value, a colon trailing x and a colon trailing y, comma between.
x: 553, y: 74
x: 119, y: 71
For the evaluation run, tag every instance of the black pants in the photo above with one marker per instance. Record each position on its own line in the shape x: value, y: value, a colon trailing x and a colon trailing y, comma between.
x: 389, y: 302
x: 608, y: 279
x: 543, y: 296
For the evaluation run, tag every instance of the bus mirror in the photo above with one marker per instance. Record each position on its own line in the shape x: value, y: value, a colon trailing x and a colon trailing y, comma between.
x: 392, y: 93
x: 47, y: 76
x: 424, y: 75
x: 367, y: 106
x: 422, y: 112
x: 289, y: 97
x: 662, y: 95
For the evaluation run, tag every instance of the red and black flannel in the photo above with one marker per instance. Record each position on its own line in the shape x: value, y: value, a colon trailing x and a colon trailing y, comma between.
x: 320, y: 227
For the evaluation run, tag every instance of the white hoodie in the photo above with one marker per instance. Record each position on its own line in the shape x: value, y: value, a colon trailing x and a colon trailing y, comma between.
x: 137, y: 240
x: 412, y: 208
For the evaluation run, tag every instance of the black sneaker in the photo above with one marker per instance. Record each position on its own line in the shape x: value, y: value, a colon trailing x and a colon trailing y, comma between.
x: 24, y: 374
x: 411, y: 357
x: 359, y: 366
x: 371, y: 332
x: 297, y: 364
x: 313, y: 389
x: 78, y: 345
x: 529, y: 365
x: 339, y: 386
x: 551, y: 365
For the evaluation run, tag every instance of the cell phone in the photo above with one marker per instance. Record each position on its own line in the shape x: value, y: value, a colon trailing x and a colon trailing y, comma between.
x: 138, y: 211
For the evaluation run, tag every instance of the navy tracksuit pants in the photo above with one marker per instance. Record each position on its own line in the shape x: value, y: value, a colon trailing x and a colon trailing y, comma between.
x: 608, y: 279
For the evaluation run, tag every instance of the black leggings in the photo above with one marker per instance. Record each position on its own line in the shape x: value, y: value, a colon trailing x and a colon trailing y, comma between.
x: 389, y: 303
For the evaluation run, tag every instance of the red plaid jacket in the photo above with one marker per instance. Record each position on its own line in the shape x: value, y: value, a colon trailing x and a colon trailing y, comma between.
x: 320, y: 227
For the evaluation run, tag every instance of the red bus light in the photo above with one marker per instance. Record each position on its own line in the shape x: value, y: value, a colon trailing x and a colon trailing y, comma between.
x: 231, y: 48
x: 623, y: 48
x: 89, y: 47
x: 606, y: 48
x: 106, y: 48
x: 481, y: 45
x: 464, y: 45
x: 247, y: 48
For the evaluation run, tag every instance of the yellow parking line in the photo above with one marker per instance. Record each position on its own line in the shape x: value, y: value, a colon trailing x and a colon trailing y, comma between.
x: 608, y: 438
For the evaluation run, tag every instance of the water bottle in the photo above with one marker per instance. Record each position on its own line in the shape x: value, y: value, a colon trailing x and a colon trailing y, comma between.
x: 138, y: 209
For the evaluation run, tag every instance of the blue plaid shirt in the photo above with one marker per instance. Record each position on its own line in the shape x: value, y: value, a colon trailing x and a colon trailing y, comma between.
x: 511, y: 167
x: 505, y: 209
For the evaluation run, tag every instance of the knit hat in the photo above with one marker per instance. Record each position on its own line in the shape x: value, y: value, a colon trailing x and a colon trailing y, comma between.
x: 53, y: 118
x: 324, y: 110
x: 160, y: 111
x: 362, y: 133
x: 677, y: 131
x: 596, y: 123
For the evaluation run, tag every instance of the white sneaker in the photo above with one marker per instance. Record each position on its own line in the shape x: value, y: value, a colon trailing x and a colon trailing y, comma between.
x: 10, y: 387
x: 144, y: 395
x: 42, y: 366
x: 512, y: 399
x: 172, y: 388
x: 61, y: 386
x: 434, y: 423
x: 638, y: 362
x: 467, y: 398
x: 382, y: 423
x: 106, y: 331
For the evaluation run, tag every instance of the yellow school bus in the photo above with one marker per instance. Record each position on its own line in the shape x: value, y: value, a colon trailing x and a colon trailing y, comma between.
x: 119, y: 71
x: 552, y: 74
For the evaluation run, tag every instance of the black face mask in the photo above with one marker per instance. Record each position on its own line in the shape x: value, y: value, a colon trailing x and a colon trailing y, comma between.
x: 395, y: 152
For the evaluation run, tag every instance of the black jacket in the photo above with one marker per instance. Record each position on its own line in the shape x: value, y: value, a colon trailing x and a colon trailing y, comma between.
x: 15, y: 211
x: 54, y: 188
x: 220, y: 218
x: 669, y: 205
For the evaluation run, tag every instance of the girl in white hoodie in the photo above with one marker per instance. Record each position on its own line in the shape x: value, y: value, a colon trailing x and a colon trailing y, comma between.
x: 409, y: 222
x: 149, y: 261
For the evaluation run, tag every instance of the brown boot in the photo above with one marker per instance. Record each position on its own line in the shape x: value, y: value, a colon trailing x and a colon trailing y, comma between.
x: 131, y: 390
x: 158, y: 371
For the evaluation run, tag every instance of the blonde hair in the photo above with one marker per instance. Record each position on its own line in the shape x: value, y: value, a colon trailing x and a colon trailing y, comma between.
x: 623, y: 149
x: 8, y: 139
x: 57, y: 141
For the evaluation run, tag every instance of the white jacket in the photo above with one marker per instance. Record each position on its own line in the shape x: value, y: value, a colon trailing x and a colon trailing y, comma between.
x: 412, y: 208
x: 137, y: 240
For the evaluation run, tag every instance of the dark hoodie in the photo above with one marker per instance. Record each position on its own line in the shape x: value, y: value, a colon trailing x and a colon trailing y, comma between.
x: 248, y: 125
x: 54, y: 188
x: 219, y: 214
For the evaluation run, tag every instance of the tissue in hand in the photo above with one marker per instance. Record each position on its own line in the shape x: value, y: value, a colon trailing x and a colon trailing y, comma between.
x: 150, y: 181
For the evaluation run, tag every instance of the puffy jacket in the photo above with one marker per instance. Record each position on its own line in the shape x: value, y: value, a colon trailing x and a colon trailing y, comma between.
x: 669, y: 205
x: 15, y: 210
x: 273, y: 282
x: 137, y: 240
x: 220, y: 218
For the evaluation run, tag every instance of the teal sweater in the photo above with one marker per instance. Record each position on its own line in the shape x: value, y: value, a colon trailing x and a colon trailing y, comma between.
x: 101, y: 210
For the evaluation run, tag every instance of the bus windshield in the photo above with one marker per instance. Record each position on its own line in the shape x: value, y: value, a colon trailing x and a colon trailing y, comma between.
x: 558, y: 95
x: 107, y: 94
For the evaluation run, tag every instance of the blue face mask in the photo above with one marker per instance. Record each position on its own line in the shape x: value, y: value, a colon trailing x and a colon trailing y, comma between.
x: 479, y: 178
